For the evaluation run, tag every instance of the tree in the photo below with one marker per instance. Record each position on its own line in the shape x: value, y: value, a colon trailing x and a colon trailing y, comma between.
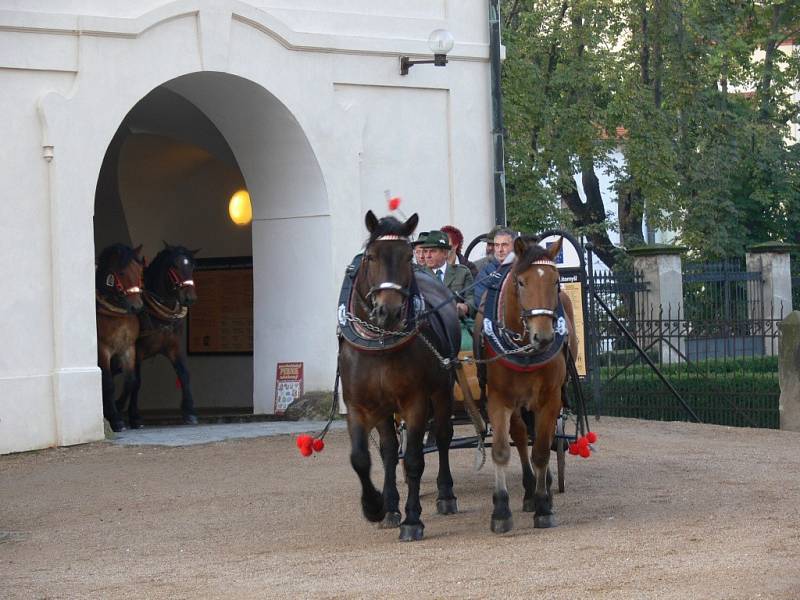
x: 661, y: 80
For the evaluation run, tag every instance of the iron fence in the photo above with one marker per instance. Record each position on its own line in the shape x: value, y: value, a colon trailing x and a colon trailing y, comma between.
x: 718, y: 351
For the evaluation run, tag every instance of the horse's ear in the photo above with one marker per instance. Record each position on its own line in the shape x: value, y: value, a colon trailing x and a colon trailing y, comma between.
x: 138, y: 250
x: 410, y: 225
x: 193, y: 252
x: 555, y: 248
x: 519, y: 246
x: 371, y: 221
x: 166, y: 245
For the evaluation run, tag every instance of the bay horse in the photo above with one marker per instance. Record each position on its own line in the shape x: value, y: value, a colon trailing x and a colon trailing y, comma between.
x: 118, y: 297
x: 528, y: 308
x: 387, y: 370
x: 169, y: 292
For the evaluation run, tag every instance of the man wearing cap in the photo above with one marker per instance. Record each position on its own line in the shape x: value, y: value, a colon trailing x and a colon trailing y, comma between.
x: 455, y: 277
x: 419, y: 251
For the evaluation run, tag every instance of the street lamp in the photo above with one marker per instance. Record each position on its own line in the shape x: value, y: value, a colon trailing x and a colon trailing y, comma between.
x: 440, y: 42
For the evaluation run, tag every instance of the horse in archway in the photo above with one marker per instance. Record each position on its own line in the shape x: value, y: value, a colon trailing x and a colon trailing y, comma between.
x: 169, y: 292
x: 388, y: 369
x: 526, y: 310
x: 118, y: 297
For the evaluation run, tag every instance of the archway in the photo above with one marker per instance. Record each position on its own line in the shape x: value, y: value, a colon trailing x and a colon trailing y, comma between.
x: 168, y: 173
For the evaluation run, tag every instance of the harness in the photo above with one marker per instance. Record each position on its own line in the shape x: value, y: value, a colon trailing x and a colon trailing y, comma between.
x: 365, y: 336
x: 104, y: 306
x: 504, y: 343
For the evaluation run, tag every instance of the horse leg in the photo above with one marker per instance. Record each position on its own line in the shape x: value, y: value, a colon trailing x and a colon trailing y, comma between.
x: 519, y: 433
x: 371, y: 499
x: 446, y: 502
x: 134, y: 418
x: 545, y: 430
x: 412, y: 528
x: 109, y: 408
x: 390, y: 448
x: 178, y: 360
x: 500, y: 417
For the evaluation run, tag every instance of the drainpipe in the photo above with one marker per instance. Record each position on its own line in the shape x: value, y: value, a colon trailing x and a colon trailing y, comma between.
x: 497, y: 115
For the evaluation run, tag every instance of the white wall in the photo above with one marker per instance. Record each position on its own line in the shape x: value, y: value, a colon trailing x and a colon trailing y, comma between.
x: 270, y: 76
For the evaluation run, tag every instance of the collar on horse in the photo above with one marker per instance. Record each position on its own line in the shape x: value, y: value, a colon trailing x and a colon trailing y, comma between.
x: 364, y: 336
x: 161, y: 311
x: 106, y: 308
x: 500, y: 341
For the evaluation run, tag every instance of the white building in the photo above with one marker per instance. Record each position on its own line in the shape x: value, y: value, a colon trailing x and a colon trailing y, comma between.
x: 301, y: 101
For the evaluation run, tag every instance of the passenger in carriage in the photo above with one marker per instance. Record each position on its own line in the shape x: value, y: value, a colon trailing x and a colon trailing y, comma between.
x: 457, y: 278
x: 503, y: 252
x: 419, y: 251
x: 456, y: 239
x: 489, y: 240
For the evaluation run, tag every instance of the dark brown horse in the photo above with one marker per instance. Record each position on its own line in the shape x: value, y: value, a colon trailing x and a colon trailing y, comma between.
x: 528, y: 309
x: 169, y: 291
x: 118, y: 289
x: 387, y: 369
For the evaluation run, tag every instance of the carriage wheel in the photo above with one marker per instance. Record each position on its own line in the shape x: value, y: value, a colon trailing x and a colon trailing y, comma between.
x: 561, y: 453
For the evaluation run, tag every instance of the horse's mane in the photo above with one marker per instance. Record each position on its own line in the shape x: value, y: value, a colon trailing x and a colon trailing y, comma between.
x: 533, y: 252
x: 386, y: 226
x: 162, y: 261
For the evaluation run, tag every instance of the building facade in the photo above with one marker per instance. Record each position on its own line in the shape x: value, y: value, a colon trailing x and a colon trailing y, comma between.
x: 302, y: 101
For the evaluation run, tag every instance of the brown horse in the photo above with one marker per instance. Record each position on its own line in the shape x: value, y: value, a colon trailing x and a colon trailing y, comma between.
x: 169, y: 291
x: 528, y: 308
x: 387, y: 369
x: 118, y: 289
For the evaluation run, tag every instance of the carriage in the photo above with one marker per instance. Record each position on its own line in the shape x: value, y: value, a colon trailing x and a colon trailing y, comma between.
x: 393, y: 320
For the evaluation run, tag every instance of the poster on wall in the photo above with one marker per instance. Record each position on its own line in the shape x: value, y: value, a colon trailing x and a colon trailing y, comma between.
x: 221, y: 321
x: 288, y: 385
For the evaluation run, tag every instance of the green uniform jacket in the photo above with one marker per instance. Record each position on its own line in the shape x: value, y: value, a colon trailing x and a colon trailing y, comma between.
x: 456, y: 278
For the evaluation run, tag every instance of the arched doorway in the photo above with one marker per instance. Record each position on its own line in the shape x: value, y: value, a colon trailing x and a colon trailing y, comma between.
x: 176, y: 159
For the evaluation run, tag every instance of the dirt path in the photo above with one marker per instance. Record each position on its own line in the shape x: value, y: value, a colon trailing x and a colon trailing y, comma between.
x: 663, y: 510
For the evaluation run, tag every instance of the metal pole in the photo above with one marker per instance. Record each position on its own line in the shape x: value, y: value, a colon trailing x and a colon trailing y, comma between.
x: 497, y: 115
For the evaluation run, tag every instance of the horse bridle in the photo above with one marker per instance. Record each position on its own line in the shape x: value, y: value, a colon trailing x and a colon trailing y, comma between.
x: 114, y: 280
x: 177, y: 282
x: 526, y: 313
x: 385, y: 285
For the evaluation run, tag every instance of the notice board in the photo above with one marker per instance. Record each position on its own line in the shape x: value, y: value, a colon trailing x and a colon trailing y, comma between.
x: 221, y: 321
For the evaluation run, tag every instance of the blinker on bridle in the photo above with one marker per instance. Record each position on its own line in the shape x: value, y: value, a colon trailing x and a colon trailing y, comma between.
x: 114, y: 280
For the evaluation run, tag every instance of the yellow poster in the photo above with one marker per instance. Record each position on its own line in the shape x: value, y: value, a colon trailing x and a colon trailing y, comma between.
x: 574, y: 292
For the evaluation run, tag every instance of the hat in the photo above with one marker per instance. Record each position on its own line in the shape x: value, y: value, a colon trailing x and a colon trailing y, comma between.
x: 489, y: 237
x: 437, y: 239
x: 420, y: 239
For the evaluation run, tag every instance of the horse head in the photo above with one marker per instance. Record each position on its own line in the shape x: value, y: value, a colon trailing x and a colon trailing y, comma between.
x: 119, y: 276
x: 171, y: 274
x: 536, y: 283
x: 386, y: 272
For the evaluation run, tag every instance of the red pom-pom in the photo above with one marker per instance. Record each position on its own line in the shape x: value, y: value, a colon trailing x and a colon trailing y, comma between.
x: 303, y: 440
x: 306, y: 450
x: 573, y: 449
x: 585, y: 452
x: 592, y: 437
x: 318, y: 445
x: 583, y: 442
x: 394, y: 203
x: 178, y: 383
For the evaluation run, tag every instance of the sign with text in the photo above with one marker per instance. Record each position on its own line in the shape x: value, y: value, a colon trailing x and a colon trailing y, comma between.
x: 288, y: 385
x: 221, y: 321
x: 575, y: 294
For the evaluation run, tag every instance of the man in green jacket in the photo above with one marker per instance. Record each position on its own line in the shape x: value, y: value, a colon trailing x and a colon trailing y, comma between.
x: 454, y: 277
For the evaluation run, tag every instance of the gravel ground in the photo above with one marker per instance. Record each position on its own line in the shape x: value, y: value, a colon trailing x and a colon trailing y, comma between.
x: 662, y: 510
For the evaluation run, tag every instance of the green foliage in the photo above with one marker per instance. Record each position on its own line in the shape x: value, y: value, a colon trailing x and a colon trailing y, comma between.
x: 700, y: 157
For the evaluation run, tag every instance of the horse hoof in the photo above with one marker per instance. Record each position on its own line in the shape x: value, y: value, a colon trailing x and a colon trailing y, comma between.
x: 190, y: 419
x: 544, y: 521
x: 118, y: 426
x: 528, y: 505
x: 447, y: 506
x: 411, y: 533
x: 390, y: 521
x: 135, y: 424
x: 502, y: 525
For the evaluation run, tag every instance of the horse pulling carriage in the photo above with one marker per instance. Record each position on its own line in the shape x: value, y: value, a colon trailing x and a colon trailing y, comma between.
x: 399, y: 336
